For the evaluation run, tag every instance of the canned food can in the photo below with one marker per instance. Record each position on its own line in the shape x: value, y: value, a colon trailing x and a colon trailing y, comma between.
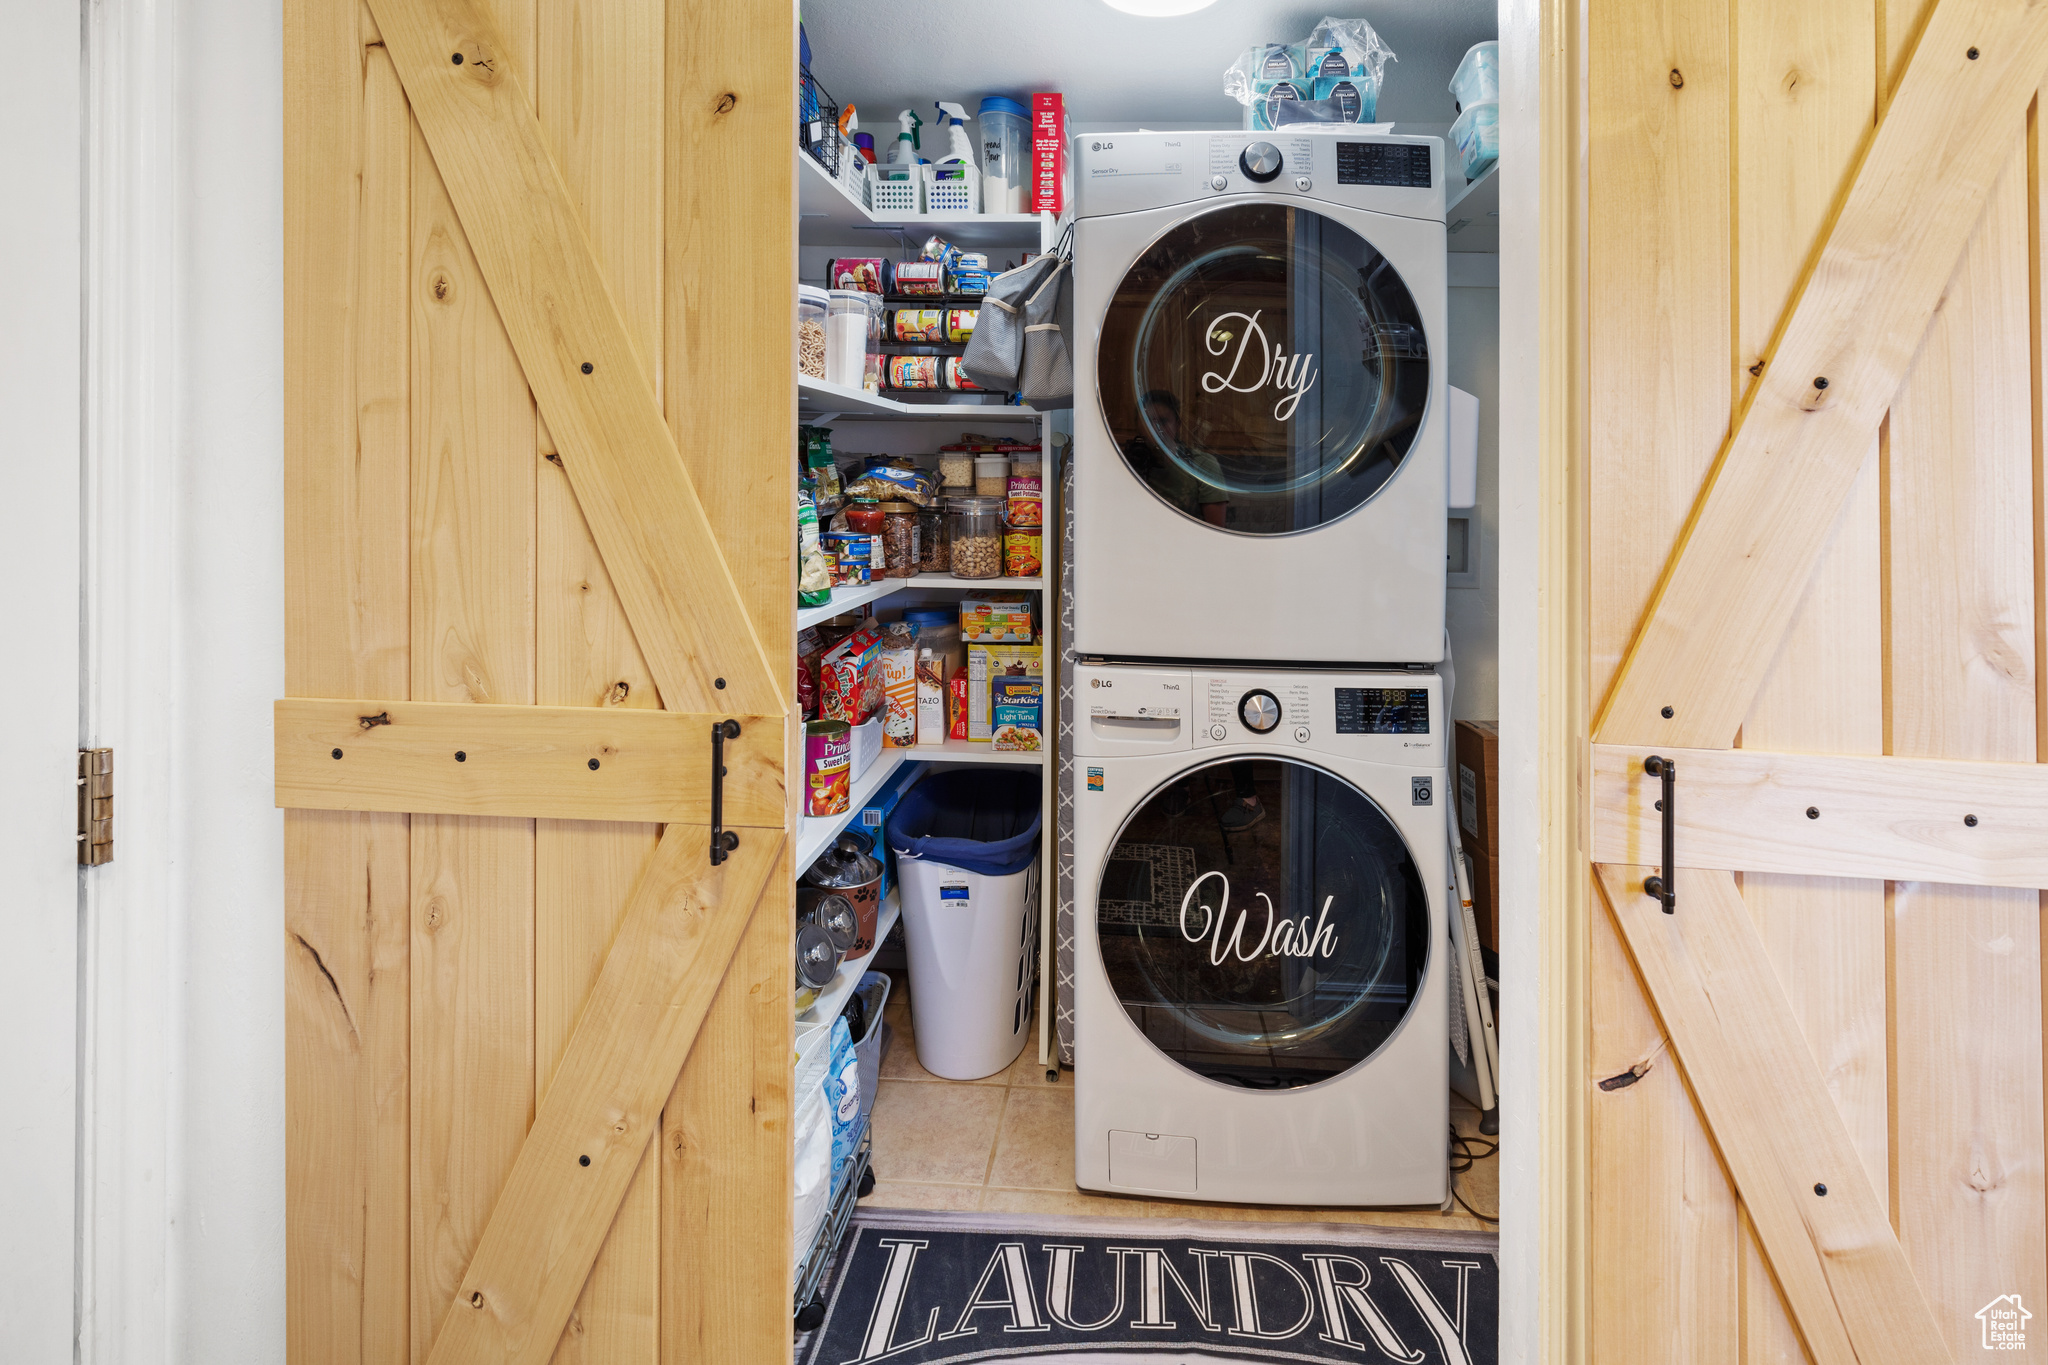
x: 828, y: 767
x: 960, y: 324
x: 852, y: 554
x: 956, y: 378
x: 916, y: 371
x: 1022, y: 552
x: 920, y: 324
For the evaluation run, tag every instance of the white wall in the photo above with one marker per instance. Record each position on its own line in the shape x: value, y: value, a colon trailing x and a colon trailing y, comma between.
x: 227, y: 1139
x: 1473, y: 614
x: 39, y: 393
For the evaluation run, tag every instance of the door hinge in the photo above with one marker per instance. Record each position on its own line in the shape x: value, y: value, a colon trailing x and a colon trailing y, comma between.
x: 95, y: 807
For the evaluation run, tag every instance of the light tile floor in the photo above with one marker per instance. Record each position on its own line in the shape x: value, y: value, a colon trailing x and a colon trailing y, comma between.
x: 1006, y: 1143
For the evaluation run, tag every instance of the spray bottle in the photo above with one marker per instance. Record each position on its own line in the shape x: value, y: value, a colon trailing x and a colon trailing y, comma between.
x: 904, y: 153
x: 959, y: 148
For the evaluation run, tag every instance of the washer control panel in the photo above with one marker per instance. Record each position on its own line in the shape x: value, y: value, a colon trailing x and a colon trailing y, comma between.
x: 1383, y: 717
x: 1333, y: 163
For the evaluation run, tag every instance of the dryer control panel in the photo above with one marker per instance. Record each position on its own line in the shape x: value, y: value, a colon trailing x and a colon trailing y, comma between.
x: 1383, y: 172
x: 1392, y: 718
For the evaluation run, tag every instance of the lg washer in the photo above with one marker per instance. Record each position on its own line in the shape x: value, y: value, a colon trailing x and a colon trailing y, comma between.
x: 1259, y: 429
x: 1261, y: 1012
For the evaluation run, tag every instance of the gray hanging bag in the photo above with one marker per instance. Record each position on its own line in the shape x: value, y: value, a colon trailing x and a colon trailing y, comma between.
x: 1046, y: 381
x: 995, y: 352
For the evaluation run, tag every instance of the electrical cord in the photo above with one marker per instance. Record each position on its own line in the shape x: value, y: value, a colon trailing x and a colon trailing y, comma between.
x: 1466, y: 1152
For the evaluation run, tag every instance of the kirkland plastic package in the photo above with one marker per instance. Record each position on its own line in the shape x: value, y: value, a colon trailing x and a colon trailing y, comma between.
x: 1334, y: 77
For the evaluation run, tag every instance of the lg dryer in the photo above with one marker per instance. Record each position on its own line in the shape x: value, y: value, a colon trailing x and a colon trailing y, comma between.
x: 1259, y: 418
x: 1261, y: 1013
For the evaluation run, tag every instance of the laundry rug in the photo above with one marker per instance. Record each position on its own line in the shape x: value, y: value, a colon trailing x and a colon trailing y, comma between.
x: 924, y: 1288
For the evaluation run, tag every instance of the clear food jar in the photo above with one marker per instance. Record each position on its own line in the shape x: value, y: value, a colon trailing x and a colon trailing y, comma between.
x: 871, y: 375
x: 899, y: 538
x: 992, y: 476
x: 811, y: 308
x: 846, y: 338
x: 934, y: 542
x: 956, y: 469
x: 976, y: 527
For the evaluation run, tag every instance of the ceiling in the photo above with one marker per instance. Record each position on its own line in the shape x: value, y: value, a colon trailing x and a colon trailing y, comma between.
x: 1117, y: 70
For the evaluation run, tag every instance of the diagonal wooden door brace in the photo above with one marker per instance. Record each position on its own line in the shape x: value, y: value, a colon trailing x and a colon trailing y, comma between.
x: 1846, y: 1280
x: 1743, y: 561
x: 528, y: 239
x: 682, y: 923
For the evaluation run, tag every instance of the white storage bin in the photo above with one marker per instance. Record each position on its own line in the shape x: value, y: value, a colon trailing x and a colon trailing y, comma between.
x: 1478, y: 78
x: 973, y: 945
x: 853, y: 172
x: 1476, y: 135
x: 952, y: 189
x: 895, y: 189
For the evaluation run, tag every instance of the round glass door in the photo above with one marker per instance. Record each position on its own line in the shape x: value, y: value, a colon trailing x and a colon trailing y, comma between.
x: 1263, y: 369
x: 1262, y: 923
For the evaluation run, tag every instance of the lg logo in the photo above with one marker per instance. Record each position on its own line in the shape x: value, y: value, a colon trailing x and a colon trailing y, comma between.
x: 1100, y: 682
x: 1102, y: 146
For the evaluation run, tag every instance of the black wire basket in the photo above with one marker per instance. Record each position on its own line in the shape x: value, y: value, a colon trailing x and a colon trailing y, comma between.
x: 817, y: 121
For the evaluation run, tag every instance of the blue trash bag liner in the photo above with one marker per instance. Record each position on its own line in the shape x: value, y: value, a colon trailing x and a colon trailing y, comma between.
x: 978, y: 820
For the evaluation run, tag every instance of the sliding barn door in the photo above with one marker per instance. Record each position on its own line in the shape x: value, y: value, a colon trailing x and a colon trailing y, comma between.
x: 1815, y: 358
x: 538, y: 297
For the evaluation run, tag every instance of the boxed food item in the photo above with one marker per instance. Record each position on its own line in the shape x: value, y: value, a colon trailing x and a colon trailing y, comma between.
x: 996, y: 617
x: 809, y: 648
x: 985, y: 664
x: 899, y: 686
x: 850, y: 678
x: 1016, y: 708
x: 956, y: 705
x: 1048, y: 152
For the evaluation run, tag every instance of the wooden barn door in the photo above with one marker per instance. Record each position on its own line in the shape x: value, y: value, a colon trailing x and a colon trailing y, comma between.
x: 1815, y: 509
x: 538, y: 312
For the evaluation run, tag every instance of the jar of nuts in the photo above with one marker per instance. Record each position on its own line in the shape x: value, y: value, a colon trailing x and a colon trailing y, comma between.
x: 976, y: 524
x: 899, y: 538
x: 956, y: 468
x: 810, y: 331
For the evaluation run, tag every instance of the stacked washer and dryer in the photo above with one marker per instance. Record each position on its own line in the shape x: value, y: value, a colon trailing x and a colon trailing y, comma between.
x: 1259, y: 737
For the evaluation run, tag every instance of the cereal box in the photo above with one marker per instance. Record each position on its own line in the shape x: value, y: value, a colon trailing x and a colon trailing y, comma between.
x: 986, y: 663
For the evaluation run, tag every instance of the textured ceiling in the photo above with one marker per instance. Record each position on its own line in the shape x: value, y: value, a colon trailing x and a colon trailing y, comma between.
x: 1115, y: 69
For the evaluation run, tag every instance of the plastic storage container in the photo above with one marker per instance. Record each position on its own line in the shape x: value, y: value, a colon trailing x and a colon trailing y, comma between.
x: 1477, y: 137
x: 846, y: 338
x: 976, y: 527
x: 811, y: 309
x: 966, y: 845
x: 1478, y: 78
x: 992, y: 475
x: 871, y: 376
x: 1005, y: 130
x: 864, y: 1014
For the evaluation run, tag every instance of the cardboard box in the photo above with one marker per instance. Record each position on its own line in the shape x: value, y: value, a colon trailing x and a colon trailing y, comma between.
x: 1478, y: 783
x: 996, y: 618
x: 1016, y: 709
x: 935, y: 672
x: 987, y: 662
x: 1048, y: 153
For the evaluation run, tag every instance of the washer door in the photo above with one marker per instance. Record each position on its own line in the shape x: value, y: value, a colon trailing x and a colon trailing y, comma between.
x: 1263, y: 368
x: 1276, y: 955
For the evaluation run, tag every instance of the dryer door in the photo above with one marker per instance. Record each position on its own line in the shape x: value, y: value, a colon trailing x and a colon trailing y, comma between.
x: 1263, y: 368
x: 1277, y: 954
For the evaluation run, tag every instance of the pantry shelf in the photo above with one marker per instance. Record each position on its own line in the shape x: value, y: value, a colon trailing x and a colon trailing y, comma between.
x: 833, y: 998
x: 846, y: 598
x: 817, y: 832
x: 1472, y: 216
x: 819, y: 401
x: 829, y: 216
x: 968, y: 751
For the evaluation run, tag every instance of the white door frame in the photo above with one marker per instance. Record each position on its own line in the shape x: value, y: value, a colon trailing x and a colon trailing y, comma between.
x: 39, y: 561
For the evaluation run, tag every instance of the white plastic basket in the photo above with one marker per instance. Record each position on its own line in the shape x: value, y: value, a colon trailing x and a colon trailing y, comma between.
x: 952, y: 189
x: 973, y: 946
x: 853, y: 173
x: 895, y: 189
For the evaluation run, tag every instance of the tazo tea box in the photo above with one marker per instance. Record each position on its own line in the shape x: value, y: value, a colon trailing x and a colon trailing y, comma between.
x: 985, y: 663
x: 935, y: 670
x: 1048, y: 152
x: 1015, y: 707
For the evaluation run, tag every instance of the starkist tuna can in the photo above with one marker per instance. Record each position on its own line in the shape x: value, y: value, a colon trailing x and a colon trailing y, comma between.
x: 828, y: 767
